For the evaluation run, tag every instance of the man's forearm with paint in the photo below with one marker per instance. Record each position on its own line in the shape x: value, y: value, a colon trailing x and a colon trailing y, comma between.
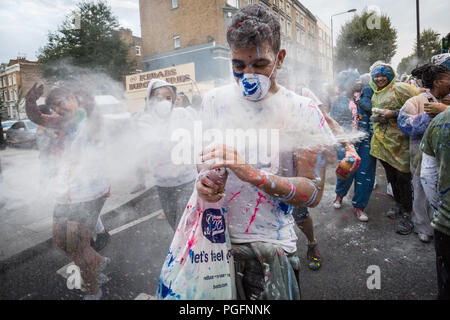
x: 304, y: 190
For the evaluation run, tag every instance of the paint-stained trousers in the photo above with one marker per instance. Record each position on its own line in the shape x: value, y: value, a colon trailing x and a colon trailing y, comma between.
x: 364, y: 177
x: 422, y: 210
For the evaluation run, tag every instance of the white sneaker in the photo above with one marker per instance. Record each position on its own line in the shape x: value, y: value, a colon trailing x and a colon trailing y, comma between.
x: 337, y: 204
x: 425, y: 238
x: 389, y: 190
x: 360, y: 215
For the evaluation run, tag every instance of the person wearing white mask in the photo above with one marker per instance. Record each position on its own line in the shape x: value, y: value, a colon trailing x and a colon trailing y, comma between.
x: 260, y: 195
x: 174, y: 182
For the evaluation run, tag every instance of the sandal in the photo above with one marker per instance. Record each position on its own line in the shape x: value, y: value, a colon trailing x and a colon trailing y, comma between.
x: 313, y: 256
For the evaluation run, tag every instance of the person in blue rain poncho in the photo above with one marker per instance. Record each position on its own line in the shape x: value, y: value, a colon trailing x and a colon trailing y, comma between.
x: 353, y: 111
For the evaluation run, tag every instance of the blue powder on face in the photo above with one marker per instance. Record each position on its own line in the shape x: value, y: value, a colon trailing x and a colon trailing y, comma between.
x: 238, y: 75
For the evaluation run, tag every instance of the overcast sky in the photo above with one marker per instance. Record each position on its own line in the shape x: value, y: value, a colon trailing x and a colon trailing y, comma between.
x: 24, y: 24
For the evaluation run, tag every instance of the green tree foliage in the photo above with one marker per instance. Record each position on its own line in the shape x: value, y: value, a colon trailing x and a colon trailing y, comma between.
x: 360, y: 43
x: 430, y: 45
x: 89, y: 39
x: 407, y: 64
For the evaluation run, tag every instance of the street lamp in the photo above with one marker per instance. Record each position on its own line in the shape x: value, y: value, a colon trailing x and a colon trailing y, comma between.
x: 419, y: 53
x: 332, y: 41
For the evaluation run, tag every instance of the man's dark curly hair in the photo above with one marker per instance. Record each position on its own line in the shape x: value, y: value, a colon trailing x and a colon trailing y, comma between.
x: 251, y: 26
x: 428, y: 73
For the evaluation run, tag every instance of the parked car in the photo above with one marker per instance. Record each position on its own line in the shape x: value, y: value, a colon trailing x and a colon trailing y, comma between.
x: 22, y: 134
x: 6, y: 125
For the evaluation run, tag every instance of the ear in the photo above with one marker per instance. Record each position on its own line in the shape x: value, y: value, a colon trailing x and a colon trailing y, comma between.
x: 281, y: 56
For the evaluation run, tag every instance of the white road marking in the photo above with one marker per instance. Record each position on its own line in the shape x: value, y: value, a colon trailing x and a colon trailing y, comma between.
x: 135, y: 222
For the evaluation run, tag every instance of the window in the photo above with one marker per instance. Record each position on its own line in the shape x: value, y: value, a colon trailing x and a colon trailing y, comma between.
x: 302, y: 21
x: 174, y: 4
x: 138, y: 50
x: 289, y: 29
x: 288, y: 9
x: 14, y: 78
x: 297, y: 17
x: 9, y: 81
x: 297, y: 33
x: 176, y: 42
x: 283, y: 25
x: 234, y: 3
x: 249, y: 1
x: 282, y: 5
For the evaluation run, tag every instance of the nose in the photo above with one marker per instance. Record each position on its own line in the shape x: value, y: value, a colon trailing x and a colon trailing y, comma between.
x: 249, y: 69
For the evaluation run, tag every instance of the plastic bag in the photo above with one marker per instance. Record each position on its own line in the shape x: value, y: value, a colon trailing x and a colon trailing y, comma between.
x: 199, y: 264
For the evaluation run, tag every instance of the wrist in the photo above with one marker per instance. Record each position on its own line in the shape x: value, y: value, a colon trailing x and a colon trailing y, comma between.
x: 255, y: 176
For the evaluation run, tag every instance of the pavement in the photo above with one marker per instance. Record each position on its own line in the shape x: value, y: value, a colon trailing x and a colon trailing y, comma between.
x: 141, y: 236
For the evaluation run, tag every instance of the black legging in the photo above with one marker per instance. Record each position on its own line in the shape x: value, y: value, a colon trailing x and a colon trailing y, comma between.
x: 401, y: 186
x: 442, y: 246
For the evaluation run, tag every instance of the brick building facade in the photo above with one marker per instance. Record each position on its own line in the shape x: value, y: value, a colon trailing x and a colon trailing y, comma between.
x: 135, y: 42
x: 176, y: 32
x: 16, y: 78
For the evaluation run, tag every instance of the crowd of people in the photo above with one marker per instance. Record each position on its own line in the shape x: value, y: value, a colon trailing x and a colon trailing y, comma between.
x: 404, y: 126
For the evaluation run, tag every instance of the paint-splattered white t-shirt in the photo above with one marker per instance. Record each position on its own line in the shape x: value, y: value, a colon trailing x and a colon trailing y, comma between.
x: 253, y: 215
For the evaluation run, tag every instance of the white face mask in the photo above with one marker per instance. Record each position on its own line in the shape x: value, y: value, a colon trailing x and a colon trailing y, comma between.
x: 254, y: 86
x: 163, y: 108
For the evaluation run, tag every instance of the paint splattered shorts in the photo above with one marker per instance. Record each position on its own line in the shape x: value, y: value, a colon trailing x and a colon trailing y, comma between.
x: 300, y: 214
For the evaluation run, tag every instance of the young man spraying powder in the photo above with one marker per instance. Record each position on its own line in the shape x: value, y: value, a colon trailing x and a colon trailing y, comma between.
x: 259, y: 198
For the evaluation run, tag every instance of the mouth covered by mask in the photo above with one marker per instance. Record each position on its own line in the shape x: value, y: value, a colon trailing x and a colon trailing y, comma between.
x: 163, y: 108
x: 254, y: 86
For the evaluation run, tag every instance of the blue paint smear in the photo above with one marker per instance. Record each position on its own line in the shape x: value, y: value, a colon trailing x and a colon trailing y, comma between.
x: 171, y: 260
x: 238, y: 75
x: 250, y: 88
x: 445, y: 191
x: 165, y: 291
x: 284, y: 207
